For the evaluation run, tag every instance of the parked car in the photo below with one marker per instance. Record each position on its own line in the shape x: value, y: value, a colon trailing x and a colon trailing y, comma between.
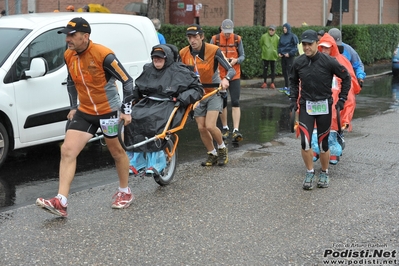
x: 395, y: 61
x: 34, y: 101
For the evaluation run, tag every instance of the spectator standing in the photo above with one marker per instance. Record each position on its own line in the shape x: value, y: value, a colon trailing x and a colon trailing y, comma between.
x: 3, y: 13
x: 269, y: 44
x: 350, y: 54
x: 204, y: 58
x: 157, y: 25
x: 92, y: 68
x: 287, y: 50
x: 315, y: 71
x: 233, y: 49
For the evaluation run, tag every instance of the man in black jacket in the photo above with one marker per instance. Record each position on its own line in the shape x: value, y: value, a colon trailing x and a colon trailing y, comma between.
x: 315, y: 72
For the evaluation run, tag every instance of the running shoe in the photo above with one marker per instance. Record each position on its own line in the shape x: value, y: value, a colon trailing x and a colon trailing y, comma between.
x: 122, y: 200
x: 282, y: 90
x: 264, y: 85
x: 223, y: 156
x: 236, y: 136
x: 272, y: 86
x: 287, y: 91
x: 225, y: 133
x: 52, y: 206
x: 212, y: 160
x: 324, y: 180
x: 308, y: 181
x: 334, y: 159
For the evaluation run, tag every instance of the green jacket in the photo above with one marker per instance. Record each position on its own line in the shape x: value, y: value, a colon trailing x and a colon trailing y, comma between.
x: 269, y: 45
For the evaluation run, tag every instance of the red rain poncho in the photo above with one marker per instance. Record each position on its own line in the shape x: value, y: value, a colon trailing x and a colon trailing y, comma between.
x: 350, y: 104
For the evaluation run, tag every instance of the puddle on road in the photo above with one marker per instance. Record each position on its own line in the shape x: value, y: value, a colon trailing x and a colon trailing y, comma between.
x: 262, y: 120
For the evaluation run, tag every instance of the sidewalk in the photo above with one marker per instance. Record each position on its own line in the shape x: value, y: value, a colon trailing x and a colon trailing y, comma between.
x: 251, y: 212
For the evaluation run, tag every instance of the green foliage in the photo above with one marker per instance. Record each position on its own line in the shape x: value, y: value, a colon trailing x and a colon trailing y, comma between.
x: 372, y: 42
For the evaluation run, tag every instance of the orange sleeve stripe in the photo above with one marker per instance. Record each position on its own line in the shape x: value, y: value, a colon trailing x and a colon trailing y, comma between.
x: 119, y: 70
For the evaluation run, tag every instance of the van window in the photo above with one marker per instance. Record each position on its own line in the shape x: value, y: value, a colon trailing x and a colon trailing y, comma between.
x: 49, y: 45
x: 10, y: 38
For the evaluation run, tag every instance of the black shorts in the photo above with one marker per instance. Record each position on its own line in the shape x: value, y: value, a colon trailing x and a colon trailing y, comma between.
x: 90, y: 123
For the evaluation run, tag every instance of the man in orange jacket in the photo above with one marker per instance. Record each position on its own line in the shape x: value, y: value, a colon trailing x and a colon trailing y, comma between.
x: 204, y: 58
x: 231, y: 46
x: 95, y: 103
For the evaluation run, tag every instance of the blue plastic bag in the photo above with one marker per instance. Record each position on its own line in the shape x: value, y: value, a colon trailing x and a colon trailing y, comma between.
x: 137, y: 161
x: 156, y: 160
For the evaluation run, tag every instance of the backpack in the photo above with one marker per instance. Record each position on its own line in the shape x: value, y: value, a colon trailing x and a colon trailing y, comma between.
x: 236, y: 41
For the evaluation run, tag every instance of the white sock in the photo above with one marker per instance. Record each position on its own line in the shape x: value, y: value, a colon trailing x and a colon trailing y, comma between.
x: 226, y: 127
x: 221, y: 146
x: 310, y: 171
x: 63, y: 200
x: 124, y: 190
x: 326, y: 171
x: 213, y: 152
x: 236, y: 129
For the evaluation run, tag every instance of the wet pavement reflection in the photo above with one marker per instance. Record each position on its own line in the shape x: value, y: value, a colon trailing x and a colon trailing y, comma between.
x: 33, y: 172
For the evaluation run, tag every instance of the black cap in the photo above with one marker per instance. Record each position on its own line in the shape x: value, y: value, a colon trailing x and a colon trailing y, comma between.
x: 76, y: 25
x: 309, y: 36
x: 194, y: 29
x: 159, y: 52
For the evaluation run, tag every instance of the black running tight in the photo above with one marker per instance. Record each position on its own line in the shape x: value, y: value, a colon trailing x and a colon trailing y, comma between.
x: 308, y: 122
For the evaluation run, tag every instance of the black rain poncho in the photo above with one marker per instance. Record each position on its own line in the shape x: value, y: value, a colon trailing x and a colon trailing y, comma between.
x: 156, y: 89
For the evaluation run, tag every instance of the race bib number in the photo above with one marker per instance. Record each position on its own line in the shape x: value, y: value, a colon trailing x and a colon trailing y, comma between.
x: 109, y: 127
x: 317, y: 107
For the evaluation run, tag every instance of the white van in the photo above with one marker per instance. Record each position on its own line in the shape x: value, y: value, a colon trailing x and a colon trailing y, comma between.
x: 34, y: 101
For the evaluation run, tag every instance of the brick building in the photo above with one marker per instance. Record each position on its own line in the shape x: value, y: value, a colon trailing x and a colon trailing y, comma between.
x: 312, y: 12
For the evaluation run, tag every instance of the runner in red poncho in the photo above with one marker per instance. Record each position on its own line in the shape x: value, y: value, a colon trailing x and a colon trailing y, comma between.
x: 328, y: 46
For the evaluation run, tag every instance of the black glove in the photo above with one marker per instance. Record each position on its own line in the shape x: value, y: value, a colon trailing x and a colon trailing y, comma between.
x: 360, y: 82
x: 126, y: 108
x: 340, y: 104
x: 293, y: 104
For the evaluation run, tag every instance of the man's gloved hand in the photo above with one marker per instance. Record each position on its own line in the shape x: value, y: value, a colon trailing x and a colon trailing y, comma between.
x: 293, y: 104
x: 340, y: 104
x: 126, y: 108
x: 360, y: 82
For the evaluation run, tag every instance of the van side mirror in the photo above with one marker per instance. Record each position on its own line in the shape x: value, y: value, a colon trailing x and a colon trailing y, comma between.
x: 38, y: 67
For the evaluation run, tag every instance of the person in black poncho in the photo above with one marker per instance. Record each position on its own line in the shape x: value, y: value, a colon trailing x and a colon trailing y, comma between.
x: 162, y: 82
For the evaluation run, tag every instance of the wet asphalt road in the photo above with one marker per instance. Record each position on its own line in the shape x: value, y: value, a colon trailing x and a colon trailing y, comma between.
x: 251, y: 212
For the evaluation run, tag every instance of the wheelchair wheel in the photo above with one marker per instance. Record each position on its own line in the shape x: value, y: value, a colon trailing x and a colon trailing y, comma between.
x: 165, y: 177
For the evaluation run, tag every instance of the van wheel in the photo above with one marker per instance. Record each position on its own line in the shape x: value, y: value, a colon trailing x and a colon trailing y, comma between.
x: 4, y: 144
